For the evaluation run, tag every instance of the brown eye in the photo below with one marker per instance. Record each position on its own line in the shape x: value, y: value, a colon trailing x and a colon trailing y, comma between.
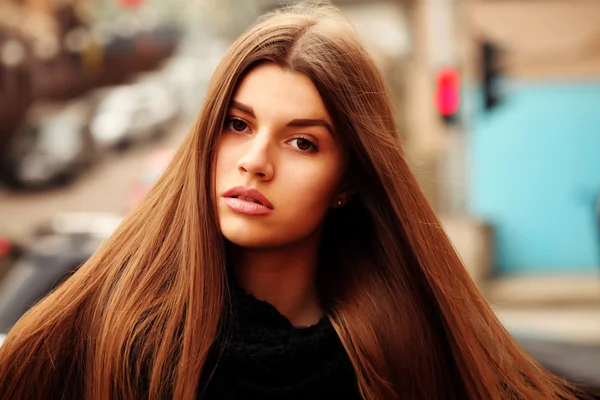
x: 236, y: 125
x: 304, y: 145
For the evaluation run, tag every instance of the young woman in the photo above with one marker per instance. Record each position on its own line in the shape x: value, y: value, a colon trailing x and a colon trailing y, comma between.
x: 286, y: 253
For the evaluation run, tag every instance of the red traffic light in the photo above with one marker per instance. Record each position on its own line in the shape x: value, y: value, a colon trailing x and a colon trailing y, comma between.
x: 130, y: 3
x: 447, y: 93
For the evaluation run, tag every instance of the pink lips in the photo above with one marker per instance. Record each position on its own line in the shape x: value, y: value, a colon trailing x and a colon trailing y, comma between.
x: 252, y: 202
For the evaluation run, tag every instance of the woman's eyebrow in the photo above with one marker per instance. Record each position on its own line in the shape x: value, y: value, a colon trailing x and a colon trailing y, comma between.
x: 242, y: 107
x: 311, y: 122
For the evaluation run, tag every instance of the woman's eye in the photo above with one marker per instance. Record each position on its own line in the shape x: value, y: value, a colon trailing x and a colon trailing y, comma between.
x: 304, y: 144
x: 236, y: 124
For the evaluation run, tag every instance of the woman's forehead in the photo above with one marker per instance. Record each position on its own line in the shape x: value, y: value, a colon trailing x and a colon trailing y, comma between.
x: 270, y: 89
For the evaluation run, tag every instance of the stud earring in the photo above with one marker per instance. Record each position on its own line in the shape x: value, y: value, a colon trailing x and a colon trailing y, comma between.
x: 339, y: 203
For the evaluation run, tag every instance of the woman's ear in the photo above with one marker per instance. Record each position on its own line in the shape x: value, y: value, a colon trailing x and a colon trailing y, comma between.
x: 343, y: 197
x: 347, y: 190
x: 338, y: 202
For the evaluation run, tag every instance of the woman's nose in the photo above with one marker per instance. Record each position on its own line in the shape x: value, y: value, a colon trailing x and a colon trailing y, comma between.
x: 256, y: 159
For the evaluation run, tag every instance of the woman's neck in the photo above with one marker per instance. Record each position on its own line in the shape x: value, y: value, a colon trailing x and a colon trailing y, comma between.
x: 284, y: 277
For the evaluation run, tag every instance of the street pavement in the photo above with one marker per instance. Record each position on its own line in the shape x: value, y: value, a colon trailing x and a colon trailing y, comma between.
x: 105, y: 188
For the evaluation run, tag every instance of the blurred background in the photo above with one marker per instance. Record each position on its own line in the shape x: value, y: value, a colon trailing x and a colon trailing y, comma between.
x: 497, y: 104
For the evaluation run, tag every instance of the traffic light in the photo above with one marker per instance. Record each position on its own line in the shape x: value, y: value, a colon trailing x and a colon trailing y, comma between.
x: 447, y: 94
x: 130, y: 3
x: 490, y: 71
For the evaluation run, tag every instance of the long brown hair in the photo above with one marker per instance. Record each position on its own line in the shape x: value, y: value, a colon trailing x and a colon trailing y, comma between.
x: 138, y: 319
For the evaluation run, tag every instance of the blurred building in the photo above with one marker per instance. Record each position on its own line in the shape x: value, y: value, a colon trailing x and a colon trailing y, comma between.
x: 535, y: 150
x: 532, y: 159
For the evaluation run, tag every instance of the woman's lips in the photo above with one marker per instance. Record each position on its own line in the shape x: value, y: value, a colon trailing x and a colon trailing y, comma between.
x: 247, y: 200
x: 247, y: 207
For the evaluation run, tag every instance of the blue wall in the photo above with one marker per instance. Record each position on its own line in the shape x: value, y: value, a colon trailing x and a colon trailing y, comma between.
x: 534, y: 174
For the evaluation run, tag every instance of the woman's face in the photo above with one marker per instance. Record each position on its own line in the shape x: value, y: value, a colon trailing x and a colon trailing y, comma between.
x: 279, y: 169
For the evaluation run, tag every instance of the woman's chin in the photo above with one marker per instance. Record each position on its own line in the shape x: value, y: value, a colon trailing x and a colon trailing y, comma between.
x: 250, y: 237
x: 248, y: 233
x: 252, y: 241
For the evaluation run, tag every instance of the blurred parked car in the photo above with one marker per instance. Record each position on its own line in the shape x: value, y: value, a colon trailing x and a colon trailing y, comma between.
x: 52, y: 147
x: 131, y: 113
x: 188, y: 78
x: 56, y: 251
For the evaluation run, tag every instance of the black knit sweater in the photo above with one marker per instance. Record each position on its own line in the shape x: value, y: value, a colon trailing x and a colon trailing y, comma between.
x: 265, y: 357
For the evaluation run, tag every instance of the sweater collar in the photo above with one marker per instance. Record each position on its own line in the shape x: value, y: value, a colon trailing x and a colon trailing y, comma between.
x: 250, y: 313
x: 262, y: 353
